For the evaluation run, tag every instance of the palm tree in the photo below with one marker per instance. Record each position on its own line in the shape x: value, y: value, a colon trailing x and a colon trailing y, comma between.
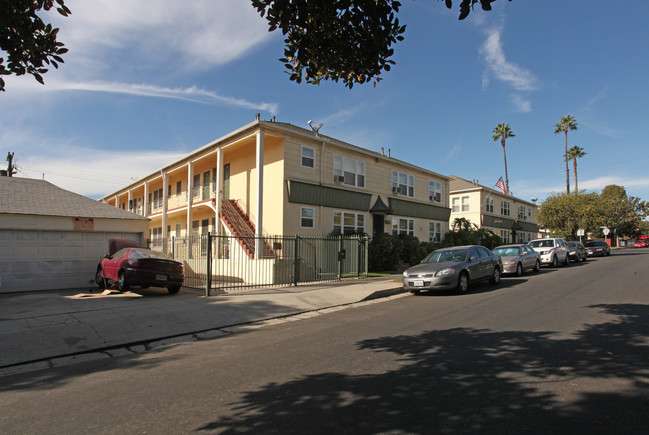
x: 566, y: 123
x: 502, y: 132
x: 575, y: 153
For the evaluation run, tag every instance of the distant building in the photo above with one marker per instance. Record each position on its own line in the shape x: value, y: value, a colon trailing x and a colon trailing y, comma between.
x: 511, y: 218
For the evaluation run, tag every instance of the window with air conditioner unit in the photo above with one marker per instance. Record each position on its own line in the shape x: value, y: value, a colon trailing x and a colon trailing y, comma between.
x: 349, y: 171
x: 403, y: 184
x: 435, y: 191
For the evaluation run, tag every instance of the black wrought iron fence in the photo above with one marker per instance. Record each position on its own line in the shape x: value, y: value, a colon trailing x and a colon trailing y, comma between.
x: 215, y: 263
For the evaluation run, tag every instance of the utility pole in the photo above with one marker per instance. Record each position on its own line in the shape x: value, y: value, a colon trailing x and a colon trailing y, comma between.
x: 11, y: 168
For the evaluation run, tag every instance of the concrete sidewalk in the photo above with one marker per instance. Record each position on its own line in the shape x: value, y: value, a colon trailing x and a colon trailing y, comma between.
x: 36, y: 328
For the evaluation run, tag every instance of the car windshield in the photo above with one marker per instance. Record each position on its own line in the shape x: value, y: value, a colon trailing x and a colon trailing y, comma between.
x: 146, y: 253
x: 594, y: 244
x: 572, y: 244
x: 508, y: 252
x: 446, y: 256
x: 542, y: 243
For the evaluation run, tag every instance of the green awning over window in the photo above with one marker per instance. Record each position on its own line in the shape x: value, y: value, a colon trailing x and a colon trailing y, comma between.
x: 313, y: 194
x: 415, y: 209
x: 509, y: 224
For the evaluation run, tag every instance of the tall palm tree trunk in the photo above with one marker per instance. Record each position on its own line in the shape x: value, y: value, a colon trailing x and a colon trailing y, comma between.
x: 567, y: 170
x: 574, y: 168
x: 502, y: 142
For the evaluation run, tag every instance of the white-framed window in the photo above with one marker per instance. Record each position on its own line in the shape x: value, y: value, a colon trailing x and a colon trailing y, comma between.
x: 156, y: 236
x: 460, y: 203
x: 307, y: 217
x: 521, y: 237
x: 308, y: 157
x: 522, y: 213
x: 403, y: 226
x: 349, y: 171
x: 505, y: 236
x: 489, y: 205
x: 434, y: 191
x: 529, y: 212
x: 403, y: 184
x: 434, y: 231
x: 504, y: 208
x: 349, y: 222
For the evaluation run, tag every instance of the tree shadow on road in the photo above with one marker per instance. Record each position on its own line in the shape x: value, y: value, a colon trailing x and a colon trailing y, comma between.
x: 468, y: 380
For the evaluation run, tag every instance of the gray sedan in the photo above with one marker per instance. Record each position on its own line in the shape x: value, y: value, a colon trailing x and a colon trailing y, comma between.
x: 518, y: 259
x: 453, y: 268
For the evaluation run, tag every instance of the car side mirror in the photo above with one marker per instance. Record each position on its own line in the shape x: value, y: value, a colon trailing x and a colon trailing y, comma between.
x: 107, y: 256
x: 474, y: 258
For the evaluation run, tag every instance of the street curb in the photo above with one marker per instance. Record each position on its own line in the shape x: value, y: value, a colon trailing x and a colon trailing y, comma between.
x: 384, y: 293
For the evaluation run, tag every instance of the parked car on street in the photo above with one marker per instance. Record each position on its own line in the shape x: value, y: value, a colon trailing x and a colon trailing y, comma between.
x: 129, y: 263
x: 552, y: 251
x: 641, y: 242
x: 597, y: 248
x: 518, y: 258
x: 453, y: 268
x: 577, y: 252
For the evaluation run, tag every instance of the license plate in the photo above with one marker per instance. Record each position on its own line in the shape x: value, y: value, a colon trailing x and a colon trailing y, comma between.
x: 418, y: 283
x: 161, y: 277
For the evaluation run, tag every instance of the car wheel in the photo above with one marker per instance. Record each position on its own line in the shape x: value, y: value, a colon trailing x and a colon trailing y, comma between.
x: 463, y: 283
x: 585, y: 258
x: 122, y: 284
x: 173, y: 289
x: 99, y: 279
x: 495, y: 278
x: 537, y: 266
x: 567, y: 262
x: 554, y: 262
x: 519, y: 269
x: 608, y: 253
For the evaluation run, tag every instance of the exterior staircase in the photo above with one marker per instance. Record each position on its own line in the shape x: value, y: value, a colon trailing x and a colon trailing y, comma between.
x: 242, y: 228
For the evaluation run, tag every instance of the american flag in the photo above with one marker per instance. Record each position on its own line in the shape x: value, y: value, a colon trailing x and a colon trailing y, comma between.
x: 501, y: 185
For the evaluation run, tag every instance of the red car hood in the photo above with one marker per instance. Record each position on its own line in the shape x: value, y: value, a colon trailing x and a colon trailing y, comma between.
x: 115, y: 245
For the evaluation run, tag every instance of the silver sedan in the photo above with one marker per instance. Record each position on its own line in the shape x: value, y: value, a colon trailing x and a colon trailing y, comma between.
x: 518, y: 259
x: 453, y: 268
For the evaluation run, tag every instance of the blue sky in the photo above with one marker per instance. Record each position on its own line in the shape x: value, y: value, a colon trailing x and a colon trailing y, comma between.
x: 141, y: 87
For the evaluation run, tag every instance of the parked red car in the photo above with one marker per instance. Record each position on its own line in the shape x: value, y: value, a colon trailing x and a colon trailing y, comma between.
x: 129, y: 263
x: 641, y: 242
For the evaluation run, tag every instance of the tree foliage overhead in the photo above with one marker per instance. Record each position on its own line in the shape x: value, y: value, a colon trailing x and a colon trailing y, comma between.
x: 348, y: 40
x: 28, y: 43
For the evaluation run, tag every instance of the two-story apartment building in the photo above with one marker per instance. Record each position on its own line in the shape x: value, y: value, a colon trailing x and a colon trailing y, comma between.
x: 511, y: 218
x: 288, y: 180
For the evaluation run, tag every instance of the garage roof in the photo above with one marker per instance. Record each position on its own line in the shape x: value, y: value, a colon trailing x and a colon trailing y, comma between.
x: 38, y: 197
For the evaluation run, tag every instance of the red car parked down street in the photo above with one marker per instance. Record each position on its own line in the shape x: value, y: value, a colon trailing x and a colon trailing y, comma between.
x: 641, y: 242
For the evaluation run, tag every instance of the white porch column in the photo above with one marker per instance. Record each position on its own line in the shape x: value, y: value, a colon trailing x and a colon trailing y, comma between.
x: 190, y: 195
x: 259, y: 224
x: 117, y: 201
x: 218, y: 187
x: 165, y: 191
x: 145, y: 208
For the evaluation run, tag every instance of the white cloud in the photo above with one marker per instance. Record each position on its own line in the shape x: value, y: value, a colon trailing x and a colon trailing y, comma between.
x: 502, y: 69
x: 193, y: 35
x: 192, y: 94
x: 521, y: 104
x: 71, y: 169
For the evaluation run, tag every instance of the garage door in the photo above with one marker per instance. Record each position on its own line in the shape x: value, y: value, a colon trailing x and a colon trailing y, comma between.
x: 32, y: 260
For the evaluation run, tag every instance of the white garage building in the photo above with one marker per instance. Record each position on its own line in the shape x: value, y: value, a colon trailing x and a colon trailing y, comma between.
x: 51, y: 238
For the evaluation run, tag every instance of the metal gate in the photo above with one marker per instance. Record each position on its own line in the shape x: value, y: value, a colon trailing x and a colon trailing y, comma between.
x: 215, y: 263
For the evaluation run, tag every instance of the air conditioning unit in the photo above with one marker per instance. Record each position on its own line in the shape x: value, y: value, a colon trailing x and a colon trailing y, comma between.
x: 396, y: 189
x: 339, y: 178
x: 430, y: 197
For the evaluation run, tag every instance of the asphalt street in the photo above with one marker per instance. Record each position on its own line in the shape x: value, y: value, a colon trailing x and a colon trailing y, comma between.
x: 562, y: 351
